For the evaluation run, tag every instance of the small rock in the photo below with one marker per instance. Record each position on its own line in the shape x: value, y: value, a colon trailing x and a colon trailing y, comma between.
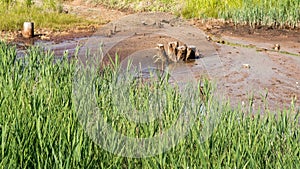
x: 208, y: 27
x: 246, y: 66
x: 221, y: 41
x: 165, y: 21
x: 109, y: 33
x: 208, y: 38
x: 276, y: 47
x: 45, y: 37
x: 93, y: 29
x: 66, y: 11
x: 243, y: 103
x: 159, y: 24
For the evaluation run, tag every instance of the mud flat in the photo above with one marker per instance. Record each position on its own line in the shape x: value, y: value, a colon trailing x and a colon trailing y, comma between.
x: 269, y: 75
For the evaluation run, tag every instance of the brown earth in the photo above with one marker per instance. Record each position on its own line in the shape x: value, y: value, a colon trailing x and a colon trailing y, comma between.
x: 217, y: 28
x: 265, y: 34
x: 129, y: 46
x: 272, y: 75
x: 96, y: 13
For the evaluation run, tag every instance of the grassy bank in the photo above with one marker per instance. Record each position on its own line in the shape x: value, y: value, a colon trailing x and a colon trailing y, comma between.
x: 285, y: 13
x: 142, y: 5
x: 40, y: 127
x: 280, y: 14
x: 49, y: 15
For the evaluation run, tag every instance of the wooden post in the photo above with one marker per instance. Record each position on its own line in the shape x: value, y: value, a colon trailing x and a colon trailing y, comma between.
x: 28, y: 29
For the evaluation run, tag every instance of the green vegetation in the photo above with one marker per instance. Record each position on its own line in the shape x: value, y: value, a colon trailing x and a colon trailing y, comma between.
x: 253, y: 12
x: 280, y: 14
x: 142, y: 5
x: 14, y: 13
x: 39, y: 126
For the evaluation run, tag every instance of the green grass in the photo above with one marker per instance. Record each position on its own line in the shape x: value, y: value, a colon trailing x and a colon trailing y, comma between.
x: 40, y: 127
x: 13, y: 15
x: 280, y: 14
x: 285, y: 13
x: 142, y: 5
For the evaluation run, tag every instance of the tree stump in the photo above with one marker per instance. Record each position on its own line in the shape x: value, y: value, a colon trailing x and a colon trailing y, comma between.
x: 28, y: 30
x: 191, y: 52
x: 172, y: 51
x: 182, y: 51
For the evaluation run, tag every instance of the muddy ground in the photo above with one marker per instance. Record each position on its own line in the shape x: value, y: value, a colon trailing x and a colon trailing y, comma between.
x: 272, y: 75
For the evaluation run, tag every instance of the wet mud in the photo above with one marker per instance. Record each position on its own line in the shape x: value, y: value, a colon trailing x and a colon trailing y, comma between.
x: 270, y: 76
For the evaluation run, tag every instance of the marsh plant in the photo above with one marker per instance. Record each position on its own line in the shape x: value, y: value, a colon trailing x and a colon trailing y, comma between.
x: 256, y: 13
x: 278, y: 14
x: 45, y: 14
x: 40, y: 126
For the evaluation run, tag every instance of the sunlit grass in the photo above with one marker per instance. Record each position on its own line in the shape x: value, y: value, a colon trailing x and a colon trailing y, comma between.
x: 285, y: 13
x: 13, y: 16
x: 142, y: 5
x: 40, y: 128
x: 279, y: 14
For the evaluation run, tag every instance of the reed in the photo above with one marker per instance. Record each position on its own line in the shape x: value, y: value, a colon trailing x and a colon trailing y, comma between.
x: 278, y: 14
x: 40, y: 128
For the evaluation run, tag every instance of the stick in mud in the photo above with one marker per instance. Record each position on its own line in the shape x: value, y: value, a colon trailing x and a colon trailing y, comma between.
x: 115, y: 29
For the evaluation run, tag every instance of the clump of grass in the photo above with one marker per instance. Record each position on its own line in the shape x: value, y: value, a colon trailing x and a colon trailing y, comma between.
x: 40, y: 127
x: 13, y: 15
x: 142, y: 5
x: 280, y: 14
